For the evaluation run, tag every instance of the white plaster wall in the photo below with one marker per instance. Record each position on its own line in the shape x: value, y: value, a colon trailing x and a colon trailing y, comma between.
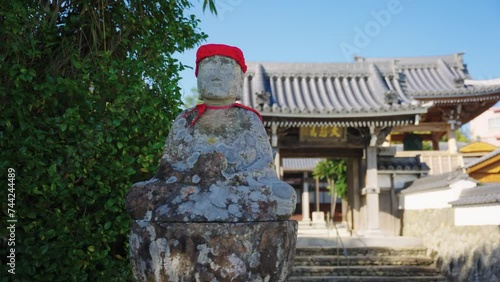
x: 463, y: 184
x: 480, y: 130
x: 435, y: 199
x: 384, y: 180
x: 477, y: 215
x: 429, y: 200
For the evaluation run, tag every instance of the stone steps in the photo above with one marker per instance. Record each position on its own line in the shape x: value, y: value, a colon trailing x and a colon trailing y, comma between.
x: 367, y: 279
x: 363, y: 264
x: 329, y: 260
x: 361, y: 251
x: 362, y: 270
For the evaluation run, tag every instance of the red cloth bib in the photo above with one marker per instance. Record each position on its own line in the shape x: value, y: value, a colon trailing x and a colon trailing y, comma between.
x: 201, y: 108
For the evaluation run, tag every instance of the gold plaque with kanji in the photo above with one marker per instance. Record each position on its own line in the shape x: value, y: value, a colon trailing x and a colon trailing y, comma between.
x: 322, y: 133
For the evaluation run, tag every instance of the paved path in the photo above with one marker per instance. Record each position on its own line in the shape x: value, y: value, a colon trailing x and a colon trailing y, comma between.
x: 323, y: 237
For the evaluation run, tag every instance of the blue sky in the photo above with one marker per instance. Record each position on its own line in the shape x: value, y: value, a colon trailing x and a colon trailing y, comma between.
x: 333, y: 30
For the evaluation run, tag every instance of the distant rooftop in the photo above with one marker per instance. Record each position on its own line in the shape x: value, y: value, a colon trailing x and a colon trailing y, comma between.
x: 483, y: 159
x: 477, y: 147
x: 385, y: 163
x: 436, y: 182
x: 483, y: 194
x: 300, y: 164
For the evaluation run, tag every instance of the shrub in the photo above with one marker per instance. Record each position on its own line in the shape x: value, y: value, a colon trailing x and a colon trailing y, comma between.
x: 88, y: 90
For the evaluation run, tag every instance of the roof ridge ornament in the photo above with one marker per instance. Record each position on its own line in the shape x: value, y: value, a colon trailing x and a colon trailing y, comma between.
x: 395, y: 70
x: 262, y: 98
x: 459, y: 82
x: 459, y: 60
x: 391, y: 97
x: 359, y: 59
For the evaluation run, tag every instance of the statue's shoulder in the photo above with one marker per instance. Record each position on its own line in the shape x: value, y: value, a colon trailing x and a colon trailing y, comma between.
x: 188, y: 115
x: 181, y: 121
x: 248, y: 110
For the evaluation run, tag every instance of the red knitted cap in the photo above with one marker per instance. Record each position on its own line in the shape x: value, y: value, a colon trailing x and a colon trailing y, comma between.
x: 209, y: 50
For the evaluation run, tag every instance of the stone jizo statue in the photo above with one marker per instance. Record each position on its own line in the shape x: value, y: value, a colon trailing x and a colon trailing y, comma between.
x: 217, y: 164
x: 215, y: 210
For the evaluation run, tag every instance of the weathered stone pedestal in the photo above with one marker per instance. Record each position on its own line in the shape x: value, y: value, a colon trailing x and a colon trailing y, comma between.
x: 213, y: 251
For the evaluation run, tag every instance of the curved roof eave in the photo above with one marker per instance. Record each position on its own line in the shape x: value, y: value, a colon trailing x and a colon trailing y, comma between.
x: 374, y: 114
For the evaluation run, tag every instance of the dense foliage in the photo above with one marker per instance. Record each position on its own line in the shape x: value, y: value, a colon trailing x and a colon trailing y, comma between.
x: 88, y: 89
x: 335, y: 173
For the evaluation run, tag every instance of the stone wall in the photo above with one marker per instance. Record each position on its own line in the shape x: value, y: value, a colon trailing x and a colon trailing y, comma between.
x: 463, y: 253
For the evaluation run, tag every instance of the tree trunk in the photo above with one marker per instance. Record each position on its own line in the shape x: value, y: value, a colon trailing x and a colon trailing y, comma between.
x: 334, y: 200
x: 344, y: 210
x: 317, y: 194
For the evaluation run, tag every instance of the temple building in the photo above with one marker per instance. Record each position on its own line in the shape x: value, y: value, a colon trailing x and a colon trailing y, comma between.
x: 356, y: 111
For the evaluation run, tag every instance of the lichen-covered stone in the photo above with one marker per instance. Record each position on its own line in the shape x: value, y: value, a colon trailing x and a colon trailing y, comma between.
x: 216, y: 252
x: 220, y: 169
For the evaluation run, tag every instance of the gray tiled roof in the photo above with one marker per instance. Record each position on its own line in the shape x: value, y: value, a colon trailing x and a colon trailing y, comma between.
x: 436, y: 77
x: 483, y: 158
x: 300, y: 164
x: 484, y: 194
x: 384, y: 163
x: 401, y: 163
x: 434, y: 182
x: 367, y: 87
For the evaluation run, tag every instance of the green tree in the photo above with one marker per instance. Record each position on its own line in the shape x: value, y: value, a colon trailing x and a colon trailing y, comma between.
x: 460, y: 136
x: 335, y: 173
x: 88, y: 91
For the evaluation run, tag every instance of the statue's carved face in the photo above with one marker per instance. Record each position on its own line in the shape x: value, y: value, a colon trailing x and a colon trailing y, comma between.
x: 219, y: 78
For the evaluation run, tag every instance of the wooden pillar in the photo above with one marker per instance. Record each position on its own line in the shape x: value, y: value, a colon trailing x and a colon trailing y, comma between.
x: 317, y: 193
x: 452, y: 139
x: 275, y: 146
x: 371, y: 191
x: 305, y: 200
x: 353, y: 193
x: 435, y: 141
x: 396, y: 220
x: 277, y: 163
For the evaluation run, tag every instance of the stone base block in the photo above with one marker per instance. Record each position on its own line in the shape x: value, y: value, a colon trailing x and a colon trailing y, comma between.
x: 318, y: 219
x: 212, y: 251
